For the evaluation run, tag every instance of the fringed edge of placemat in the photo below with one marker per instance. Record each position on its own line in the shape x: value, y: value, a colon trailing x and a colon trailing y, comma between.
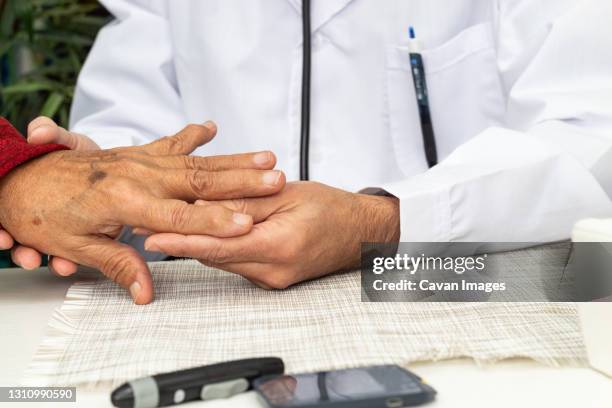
x: 59, y: 333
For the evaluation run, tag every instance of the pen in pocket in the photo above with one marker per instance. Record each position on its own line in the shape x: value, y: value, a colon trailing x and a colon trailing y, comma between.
x: 420, y: 87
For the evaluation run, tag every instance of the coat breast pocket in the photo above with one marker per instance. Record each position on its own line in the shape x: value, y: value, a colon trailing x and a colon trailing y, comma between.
x: 465, y: 95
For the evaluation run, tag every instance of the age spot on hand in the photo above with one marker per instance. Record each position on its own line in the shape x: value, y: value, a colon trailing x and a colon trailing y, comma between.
x: 96, y: 176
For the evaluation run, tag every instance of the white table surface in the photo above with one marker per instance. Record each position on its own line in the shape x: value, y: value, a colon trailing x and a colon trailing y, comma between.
x: 28, y: 298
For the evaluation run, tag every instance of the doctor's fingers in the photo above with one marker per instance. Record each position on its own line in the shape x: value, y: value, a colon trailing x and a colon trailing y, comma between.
x: 191, y: 185
x: 184, y: 142
x: 121, y: 263
x: 6, y: 240
x: 261, y: 161
x: 62, y: 267
x: 250, y: 248
x: 43, y: 130
x: 163, y: 215
x: 25, y: 257
x: 29, y: 258
x: 258, y: 208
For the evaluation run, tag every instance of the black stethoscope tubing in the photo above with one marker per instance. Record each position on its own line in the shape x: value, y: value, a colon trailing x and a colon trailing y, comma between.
x: 306, y: 86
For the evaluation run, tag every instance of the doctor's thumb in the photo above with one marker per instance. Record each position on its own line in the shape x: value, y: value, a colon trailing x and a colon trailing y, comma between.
x: 51, y: 133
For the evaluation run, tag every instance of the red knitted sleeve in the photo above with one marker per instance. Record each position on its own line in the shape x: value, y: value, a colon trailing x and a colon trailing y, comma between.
x: 15, y: 150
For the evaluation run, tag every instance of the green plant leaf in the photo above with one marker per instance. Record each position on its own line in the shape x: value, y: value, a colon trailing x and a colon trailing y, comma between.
x: 72, y: 10
x: 52, y: 105
x: 56, y: 35
x: 60, y: 37
x: 27, y: 87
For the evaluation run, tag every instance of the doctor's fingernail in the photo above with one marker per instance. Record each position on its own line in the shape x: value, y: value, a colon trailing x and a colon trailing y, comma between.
x: 211, y: 125
x: 150, y: 246
x: 262, y: 158
x: 242, y: 219
x: 272, y: 178
x: 37, y: 131
x: 135, y: 289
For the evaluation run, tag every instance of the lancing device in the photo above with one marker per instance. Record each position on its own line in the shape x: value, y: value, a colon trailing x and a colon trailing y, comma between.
x: 202, y: 383
x: 420, y: 86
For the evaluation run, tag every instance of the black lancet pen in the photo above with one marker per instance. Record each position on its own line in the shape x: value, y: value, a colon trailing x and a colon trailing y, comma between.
x: 201, y: 383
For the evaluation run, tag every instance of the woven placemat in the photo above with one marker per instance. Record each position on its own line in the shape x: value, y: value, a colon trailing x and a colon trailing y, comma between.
x: 202, y: 315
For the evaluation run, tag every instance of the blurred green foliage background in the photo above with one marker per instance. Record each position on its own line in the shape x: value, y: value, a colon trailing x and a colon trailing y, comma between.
x: 43, y: 44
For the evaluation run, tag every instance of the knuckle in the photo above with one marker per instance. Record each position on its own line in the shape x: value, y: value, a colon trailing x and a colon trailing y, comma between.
x: 191, y: 162
x: 118, y: 267
x: 239, y: 205
x: 171, y: 143
x: 178, y: 215
x: 149, y: 212
x: 176, y: 144
x: 201, y: 181
x: 236, y: 161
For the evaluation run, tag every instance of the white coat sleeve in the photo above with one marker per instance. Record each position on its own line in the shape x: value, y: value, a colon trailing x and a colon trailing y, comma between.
x: 127, y: 92
x: 551, y: 163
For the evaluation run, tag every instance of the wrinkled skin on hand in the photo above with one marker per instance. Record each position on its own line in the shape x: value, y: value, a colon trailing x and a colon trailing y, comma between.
x: 72, y: 204
x: 43, y: 130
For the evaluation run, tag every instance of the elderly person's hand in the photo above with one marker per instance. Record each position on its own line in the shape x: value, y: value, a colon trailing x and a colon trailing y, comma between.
x: 72, y: 204
x: 43, y: 130
x: 306, y: 231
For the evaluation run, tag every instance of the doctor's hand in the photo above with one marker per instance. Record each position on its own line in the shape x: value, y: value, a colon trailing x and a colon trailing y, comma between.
x: 306, y: 231
x: 72, y: 204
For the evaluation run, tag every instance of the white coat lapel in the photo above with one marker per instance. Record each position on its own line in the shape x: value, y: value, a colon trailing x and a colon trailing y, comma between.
x: 322, y: 10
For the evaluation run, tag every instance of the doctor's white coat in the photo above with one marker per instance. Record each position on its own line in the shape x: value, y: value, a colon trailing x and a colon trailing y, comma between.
x: 520, y: 92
